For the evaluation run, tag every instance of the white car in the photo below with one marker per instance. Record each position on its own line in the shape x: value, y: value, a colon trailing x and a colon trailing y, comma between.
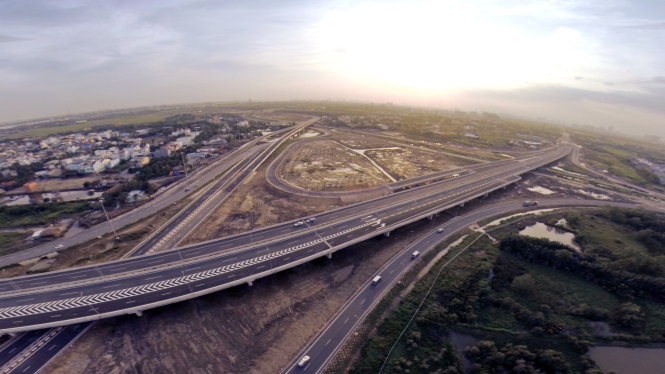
x: 299, y: 223
x: 303, y: 361
x: 59, y: 246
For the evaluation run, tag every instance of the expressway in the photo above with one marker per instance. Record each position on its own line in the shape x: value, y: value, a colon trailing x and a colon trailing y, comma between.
x: 160, y: 202
x: 136, y: 284
x: 324, y: 346
x: 247, y: 154
x: 32, y: 350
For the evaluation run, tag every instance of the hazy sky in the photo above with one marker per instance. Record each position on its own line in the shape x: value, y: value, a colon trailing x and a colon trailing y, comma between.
x: 588, y: 62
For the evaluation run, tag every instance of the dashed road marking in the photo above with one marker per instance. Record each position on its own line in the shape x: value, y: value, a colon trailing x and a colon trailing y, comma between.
x: 76, y: 302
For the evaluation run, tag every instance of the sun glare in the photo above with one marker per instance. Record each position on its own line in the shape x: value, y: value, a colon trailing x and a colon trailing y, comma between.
x: 437, y: 46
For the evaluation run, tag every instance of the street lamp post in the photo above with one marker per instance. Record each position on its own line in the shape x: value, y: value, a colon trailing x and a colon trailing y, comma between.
x: 184, y: 165
x: 101, y: 202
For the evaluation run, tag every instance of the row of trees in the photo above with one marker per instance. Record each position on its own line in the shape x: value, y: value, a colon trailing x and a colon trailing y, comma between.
x: 636, y: 219
x: 649, y: 226
x: 24, y: 173
x: 620, y: 282
x: 488, y: 358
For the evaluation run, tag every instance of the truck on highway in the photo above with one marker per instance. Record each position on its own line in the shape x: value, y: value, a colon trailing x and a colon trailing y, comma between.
x: 376, y: 280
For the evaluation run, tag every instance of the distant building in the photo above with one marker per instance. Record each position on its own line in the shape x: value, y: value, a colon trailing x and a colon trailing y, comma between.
x: 136, y: 195
x: 196, y: 156
x: 161, y: 153
x: 31, y: 187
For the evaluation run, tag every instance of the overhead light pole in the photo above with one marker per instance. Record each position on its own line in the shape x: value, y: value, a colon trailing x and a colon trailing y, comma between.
x: 184, y: 165
x: 101, y: 202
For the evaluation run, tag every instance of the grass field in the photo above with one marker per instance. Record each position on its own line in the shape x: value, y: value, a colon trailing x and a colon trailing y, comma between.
x: 86, y: 126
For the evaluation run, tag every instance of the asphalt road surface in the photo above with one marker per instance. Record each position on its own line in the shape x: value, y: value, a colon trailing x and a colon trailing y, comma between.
x: 136, y: 284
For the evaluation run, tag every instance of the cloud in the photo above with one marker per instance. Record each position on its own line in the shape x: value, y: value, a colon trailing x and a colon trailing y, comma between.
x: 565, y: 94
x: 8, y: 39
x: 630, y: 112
x: 646, y: 26
x: 658, y: 80
x: 85, y: 54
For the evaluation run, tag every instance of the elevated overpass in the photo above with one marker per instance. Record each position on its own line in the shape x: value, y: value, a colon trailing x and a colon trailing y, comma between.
x: 136, y: 284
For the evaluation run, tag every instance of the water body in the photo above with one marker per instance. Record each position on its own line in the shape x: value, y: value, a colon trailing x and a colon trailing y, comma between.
x: 624, y: 360
x: 461, y: 341
x: 543, y: 231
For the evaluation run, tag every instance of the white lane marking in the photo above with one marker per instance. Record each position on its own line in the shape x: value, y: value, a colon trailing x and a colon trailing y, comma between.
x: 51, y: 306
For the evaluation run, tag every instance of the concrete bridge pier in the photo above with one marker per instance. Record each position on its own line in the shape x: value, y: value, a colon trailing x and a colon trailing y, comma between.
x: 430, y: 217
x: 250, y: 282
x: 139, y: 313
x: 462, y: 205
x: 386, y: 234
x: 329, y: 255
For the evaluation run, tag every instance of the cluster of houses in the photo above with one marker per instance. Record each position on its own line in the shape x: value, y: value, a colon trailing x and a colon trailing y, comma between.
x: 90, y: 153
x: 93, y: 153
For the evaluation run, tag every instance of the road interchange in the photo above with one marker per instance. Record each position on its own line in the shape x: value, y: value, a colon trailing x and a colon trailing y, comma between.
x: 137, y: 284
x: 32, y: 350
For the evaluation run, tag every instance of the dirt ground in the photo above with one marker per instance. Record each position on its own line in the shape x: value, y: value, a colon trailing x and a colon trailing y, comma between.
x: 340, y: 162
x: 256, y: 329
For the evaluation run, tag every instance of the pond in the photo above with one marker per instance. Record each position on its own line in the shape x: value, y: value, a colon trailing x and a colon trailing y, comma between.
x: 461, y: 342
x: 623, y: 360
x: 541, y: 230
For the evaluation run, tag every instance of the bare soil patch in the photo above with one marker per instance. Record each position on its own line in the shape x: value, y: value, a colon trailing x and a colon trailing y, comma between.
x: 405, y: 162
x: 325, y: 165
x: 340, y: 162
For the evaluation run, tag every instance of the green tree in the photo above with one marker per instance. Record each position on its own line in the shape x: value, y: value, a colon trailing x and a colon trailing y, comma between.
x: 524, y: 285
x: 629, y: 315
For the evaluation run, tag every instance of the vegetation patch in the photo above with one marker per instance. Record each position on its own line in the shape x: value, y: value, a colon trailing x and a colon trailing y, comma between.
x: 7, y: 240
x: 39, y: 214
x: 532, y: 306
